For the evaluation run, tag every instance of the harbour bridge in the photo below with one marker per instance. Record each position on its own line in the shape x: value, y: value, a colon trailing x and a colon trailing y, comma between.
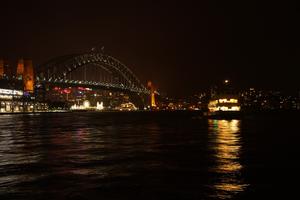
x: 93, y: 69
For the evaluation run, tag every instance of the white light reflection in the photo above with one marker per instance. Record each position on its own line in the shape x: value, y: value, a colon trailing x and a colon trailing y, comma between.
x: 226, y: 145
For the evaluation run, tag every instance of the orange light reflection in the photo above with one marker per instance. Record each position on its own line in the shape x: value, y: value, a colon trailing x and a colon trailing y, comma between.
x: 226, y: 145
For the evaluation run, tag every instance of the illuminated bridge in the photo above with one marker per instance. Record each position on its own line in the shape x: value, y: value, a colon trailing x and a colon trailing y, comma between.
x: 70, y: 80
x: 92, y: 69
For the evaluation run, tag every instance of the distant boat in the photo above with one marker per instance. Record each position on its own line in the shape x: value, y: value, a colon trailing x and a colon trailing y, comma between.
x: 224, y: 102
x: 224, y: 106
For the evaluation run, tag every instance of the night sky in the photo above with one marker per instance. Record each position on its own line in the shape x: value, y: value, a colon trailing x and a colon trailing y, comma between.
x: 182, y: 47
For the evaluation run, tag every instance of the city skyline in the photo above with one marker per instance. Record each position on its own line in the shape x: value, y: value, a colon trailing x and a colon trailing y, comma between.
x: 193, y: 45
x: 149, y: 99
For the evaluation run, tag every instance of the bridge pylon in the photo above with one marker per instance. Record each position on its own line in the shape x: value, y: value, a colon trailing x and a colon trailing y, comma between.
x: 25, y: 70
x: 152, y: 94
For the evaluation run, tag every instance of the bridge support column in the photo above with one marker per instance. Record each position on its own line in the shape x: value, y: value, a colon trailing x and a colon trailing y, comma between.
x: 152, y: 94
x: 28, y: 78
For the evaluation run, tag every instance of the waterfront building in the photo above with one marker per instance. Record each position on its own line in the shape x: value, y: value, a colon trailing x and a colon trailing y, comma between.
x: 12, y: 100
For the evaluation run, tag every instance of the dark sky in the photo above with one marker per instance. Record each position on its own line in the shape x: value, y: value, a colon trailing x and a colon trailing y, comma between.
x: 182, y: 47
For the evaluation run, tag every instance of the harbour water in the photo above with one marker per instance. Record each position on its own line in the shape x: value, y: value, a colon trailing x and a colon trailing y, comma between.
x: 147, y: 156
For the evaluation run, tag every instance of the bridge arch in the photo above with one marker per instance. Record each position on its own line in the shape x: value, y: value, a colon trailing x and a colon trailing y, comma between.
x: 58, y: 68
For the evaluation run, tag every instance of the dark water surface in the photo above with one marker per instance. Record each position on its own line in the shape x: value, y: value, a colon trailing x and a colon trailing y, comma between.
x: 148, y: 156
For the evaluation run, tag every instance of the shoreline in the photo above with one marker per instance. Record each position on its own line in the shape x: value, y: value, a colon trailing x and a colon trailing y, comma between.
x: 198, y: 113
x: 36, y: 112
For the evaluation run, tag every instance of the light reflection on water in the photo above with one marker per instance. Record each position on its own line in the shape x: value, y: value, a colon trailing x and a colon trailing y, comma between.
x: 140, y: 155
x: 226, y: 145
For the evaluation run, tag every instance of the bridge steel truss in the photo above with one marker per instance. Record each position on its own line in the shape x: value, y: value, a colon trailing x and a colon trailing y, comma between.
x: 56, y: 70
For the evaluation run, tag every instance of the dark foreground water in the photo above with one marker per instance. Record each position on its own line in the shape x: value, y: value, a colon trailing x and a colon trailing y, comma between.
x: 148, y: 156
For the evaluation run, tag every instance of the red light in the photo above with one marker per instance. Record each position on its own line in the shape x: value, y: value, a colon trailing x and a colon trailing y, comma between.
x: 67, y: 91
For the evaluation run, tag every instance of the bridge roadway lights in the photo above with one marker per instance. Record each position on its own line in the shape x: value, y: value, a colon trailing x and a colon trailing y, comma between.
x: 107, y: 85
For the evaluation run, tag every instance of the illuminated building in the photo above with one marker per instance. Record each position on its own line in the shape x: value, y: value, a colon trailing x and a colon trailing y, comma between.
x: 85, y: 106
x: 16, y: 88
x: 99, y: 106
x: 10, y: 100
x: 9, y: 94
x: 127, y: 107
x: 28, y: 77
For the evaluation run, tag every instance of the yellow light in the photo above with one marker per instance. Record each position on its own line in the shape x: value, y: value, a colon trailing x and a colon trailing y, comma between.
x: 228, y: 100
x: 233, y: 100
x: 153, y: 103
x: 99, y: 106
x: 86, y: 104
x: 226, y: 108
x: 227, y: 146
